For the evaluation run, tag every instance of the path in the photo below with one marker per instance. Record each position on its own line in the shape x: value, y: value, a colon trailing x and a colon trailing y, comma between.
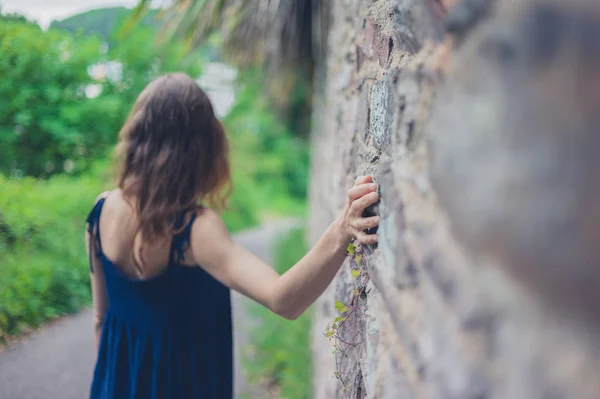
x: 57, y: 362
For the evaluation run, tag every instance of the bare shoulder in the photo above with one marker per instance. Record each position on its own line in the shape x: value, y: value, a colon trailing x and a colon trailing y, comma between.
x: 102, y: 195
x: 210, y: 240
x: 209, y: 223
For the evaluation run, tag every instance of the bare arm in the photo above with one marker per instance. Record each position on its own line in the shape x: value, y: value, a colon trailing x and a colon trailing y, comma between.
x: 290, y: 294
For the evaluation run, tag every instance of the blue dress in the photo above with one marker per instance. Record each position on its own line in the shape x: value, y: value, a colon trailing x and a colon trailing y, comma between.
x: 165, y: 337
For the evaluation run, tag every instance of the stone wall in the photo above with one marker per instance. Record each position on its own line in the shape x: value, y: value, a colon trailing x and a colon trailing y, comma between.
x: 485, y: 144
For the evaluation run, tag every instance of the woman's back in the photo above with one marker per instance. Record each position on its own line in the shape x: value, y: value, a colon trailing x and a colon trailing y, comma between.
x: 166, y: 333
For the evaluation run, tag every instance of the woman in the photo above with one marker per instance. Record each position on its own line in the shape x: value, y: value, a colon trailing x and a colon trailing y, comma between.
x: 162, y: 264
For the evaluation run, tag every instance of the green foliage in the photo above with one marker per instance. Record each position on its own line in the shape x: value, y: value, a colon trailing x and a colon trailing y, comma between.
x: 282, y: 166
x: 269, y: 163
x: 47, y: 122
x: 44, y: 116
x: 101, y: 21
x: 282, y: 347
x: 44, y: 269
x: 340, y: 307
x: 351, y: 249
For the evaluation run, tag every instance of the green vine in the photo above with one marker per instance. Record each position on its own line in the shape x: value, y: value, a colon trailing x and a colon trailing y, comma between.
x: 348, y: 314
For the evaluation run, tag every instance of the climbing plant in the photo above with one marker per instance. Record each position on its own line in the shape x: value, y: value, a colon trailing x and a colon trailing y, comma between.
x: 345, y: 331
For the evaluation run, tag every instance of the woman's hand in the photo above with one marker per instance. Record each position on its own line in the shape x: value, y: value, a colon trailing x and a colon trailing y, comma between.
x: 352, y: 222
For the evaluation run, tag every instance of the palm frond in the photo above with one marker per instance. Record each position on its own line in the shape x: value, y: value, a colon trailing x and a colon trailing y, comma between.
x: 278, y: 33
x: 284, y: 38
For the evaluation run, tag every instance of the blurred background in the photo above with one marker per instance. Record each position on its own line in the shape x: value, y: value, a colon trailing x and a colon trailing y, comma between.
x: 479, y: 119
x: 69, y: 73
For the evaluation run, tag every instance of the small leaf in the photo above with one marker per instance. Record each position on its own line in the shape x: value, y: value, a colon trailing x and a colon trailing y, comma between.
x: 359, y: 259
x: 338, y: 319
x: 339, y: 306
x: 355, y: 273
x: 351, y: 248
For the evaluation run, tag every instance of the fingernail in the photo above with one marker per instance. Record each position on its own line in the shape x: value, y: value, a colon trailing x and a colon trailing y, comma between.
x: 374, y: 186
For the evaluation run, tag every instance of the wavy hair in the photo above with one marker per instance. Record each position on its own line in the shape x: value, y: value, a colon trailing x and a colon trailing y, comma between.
x: 172, y: 155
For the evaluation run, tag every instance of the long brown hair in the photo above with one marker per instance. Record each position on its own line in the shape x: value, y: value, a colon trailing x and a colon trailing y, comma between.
x: 172, y: 155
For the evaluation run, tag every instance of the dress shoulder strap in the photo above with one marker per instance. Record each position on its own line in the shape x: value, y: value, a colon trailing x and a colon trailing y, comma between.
x: 93, y: 228
x: 181, y: 241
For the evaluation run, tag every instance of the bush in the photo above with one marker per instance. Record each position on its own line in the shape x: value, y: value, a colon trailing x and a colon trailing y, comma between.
x: 44, y: 269
x: 42, y: 97
x: 282, y: 347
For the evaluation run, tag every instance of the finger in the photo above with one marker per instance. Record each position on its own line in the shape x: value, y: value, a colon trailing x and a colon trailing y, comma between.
x: 366, y: 239
x: 359, y: 205
x: 360, y: 190
x: 363, y: 180
x: 366, y: 223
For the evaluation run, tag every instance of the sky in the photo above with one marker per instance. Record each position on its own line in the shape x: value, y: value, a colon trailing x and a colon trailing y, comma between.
x: 45, y: 11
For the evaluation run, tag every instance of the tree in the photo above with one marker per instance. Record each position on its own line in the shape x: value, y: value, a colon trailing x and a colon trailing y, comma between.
x: 45, y: 117
x: 14, y: 17
x: 49, y: 122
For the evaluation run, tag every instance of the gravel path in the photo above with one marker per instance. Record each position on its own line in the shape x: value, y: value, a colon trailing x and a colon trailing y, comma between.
x: 57, y: 361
